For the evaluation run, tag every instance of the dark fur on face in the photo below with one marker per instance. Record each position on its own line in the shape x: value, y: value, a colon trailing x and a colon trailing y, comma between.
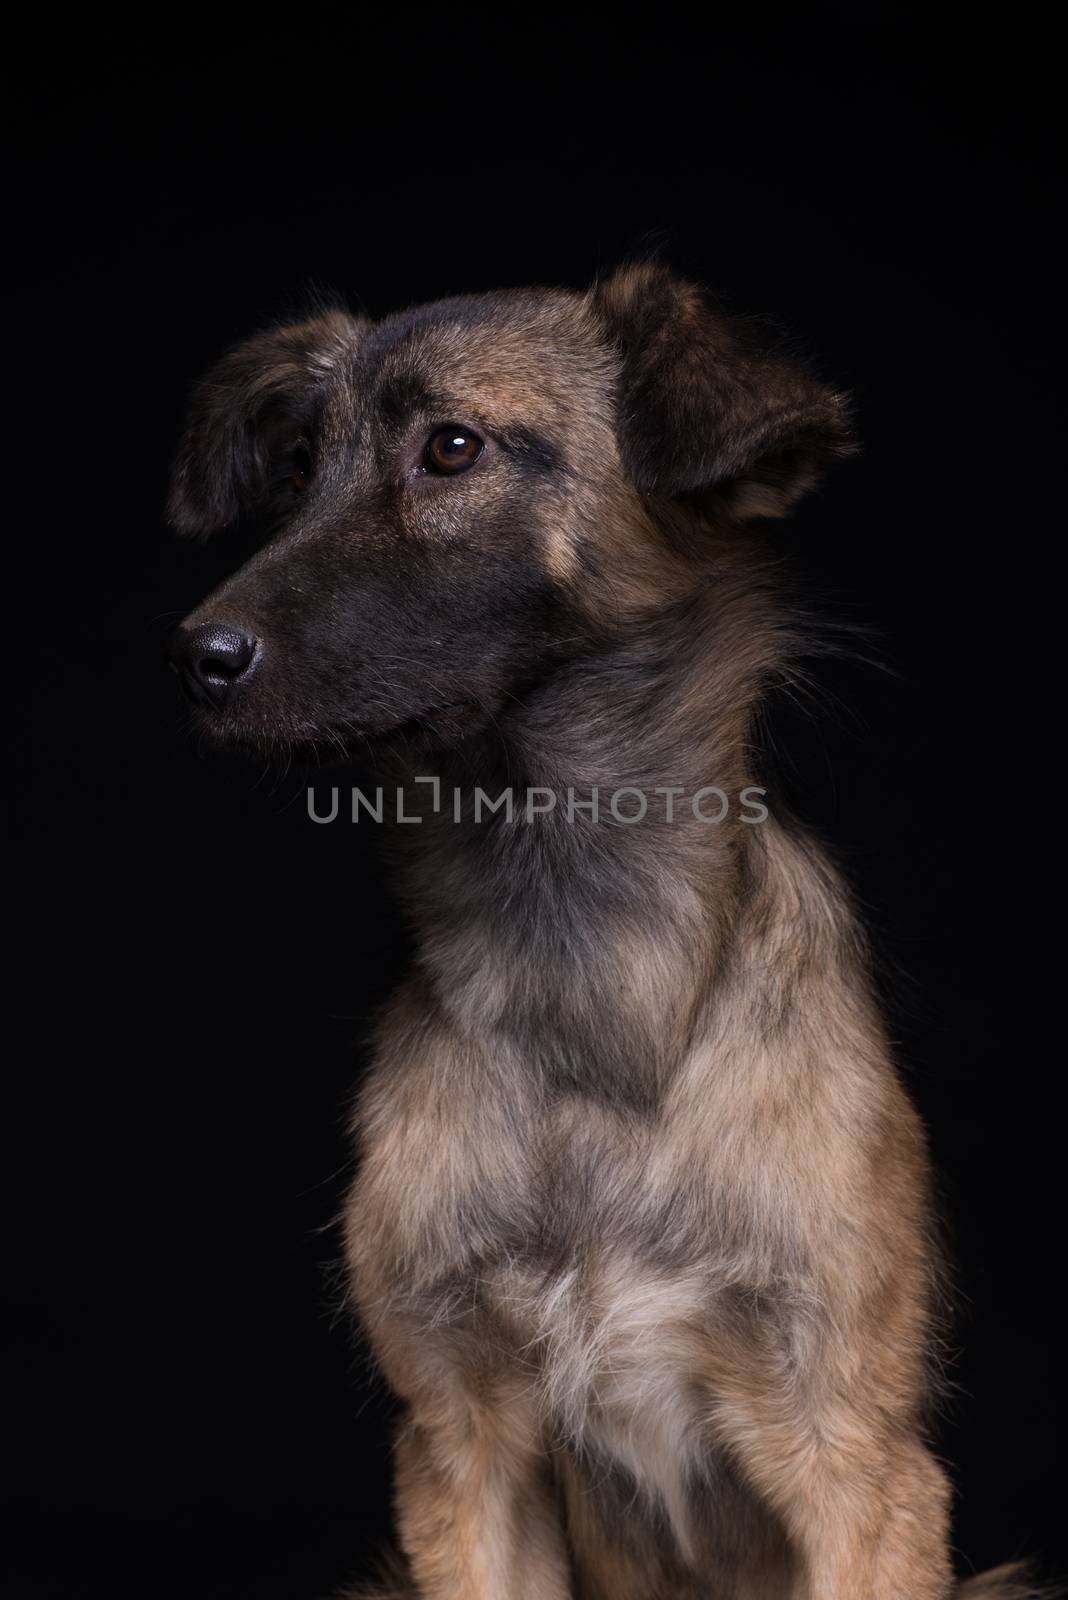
x: 391, y: 595
x: 640, y: 1233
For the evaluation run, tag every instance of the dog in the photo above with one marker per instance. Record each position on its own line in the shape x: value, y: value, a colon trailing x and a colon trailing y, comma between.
x: 641, y: 1233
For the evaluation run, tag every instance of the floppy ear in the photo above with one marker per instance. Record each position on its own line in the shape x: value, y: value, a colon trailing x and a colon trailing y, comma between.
x: 701, y: 405
x: 252, y: 402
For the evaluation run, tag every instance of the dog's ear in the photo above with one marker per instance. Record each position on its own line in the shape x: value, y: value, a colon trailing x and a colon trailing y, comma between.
x: 251, y: 405
x: 703, y: 405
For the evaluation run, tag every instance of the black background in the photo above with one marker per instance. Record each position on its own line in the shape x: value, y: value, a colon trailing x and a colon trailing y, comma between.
x: 188, y: 1413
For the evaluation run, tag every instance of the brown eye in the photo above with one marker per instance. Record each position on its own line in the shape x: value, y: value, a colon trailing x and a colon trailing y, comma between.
x: 301, y: 469
x: 453, y: 450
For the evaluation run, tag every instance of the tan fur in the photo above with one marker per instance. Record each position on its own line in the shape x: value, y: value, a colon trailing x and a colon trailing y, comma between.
x: 806, y: 1152
x: 784, y: 1136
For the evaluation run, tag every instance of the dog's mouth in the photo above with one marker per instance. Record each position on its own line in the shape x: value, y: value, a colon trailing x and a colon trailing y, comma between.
x: 443, y: 717
x: 435, y: 725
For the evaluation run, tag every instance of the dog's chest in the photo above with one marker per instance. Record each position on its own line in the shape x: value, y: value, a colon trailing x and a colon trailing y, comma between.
x: 606, y: 1318
x: 612, y: 1342
x: 541, y: 1233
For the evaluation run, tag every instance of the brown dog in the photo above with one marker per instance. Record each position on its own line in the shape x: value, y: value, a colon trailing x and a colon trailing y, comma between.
x: 640, y: 1233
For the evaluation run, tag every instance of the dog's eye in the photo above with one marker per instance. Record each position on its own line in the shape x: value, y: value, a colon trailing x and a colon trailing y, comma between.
x: 301, y: 468
x: 453, y: 450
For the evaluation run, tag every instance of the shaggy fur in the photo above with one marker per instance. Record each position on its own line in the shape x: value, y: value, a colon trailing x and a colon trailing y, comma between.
x: 640, y: 1233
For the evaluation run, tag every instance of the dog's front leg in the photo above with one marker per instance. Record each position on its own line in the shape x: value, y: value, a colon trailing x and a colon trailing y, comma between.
x: 866, y: 1512
x: 475, y: 1500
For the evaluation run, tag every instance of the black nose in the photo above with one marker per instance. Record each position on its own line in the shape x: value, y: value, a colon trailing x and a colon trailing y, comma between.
x: 210, y: 660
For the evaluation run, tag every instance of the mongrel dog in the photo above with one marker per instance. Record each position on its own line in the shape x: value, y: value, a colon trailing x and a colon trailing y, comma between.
x: 640, y: 1233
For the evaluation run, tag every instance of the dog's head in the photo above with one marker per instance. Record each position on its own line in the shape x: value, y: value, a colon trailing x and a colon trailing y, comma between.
x: 450, y: 500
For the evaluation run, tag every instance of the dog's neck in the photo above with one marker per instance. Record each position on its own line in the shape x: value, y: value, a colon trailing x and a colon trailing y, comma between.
x: 582, y: 940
